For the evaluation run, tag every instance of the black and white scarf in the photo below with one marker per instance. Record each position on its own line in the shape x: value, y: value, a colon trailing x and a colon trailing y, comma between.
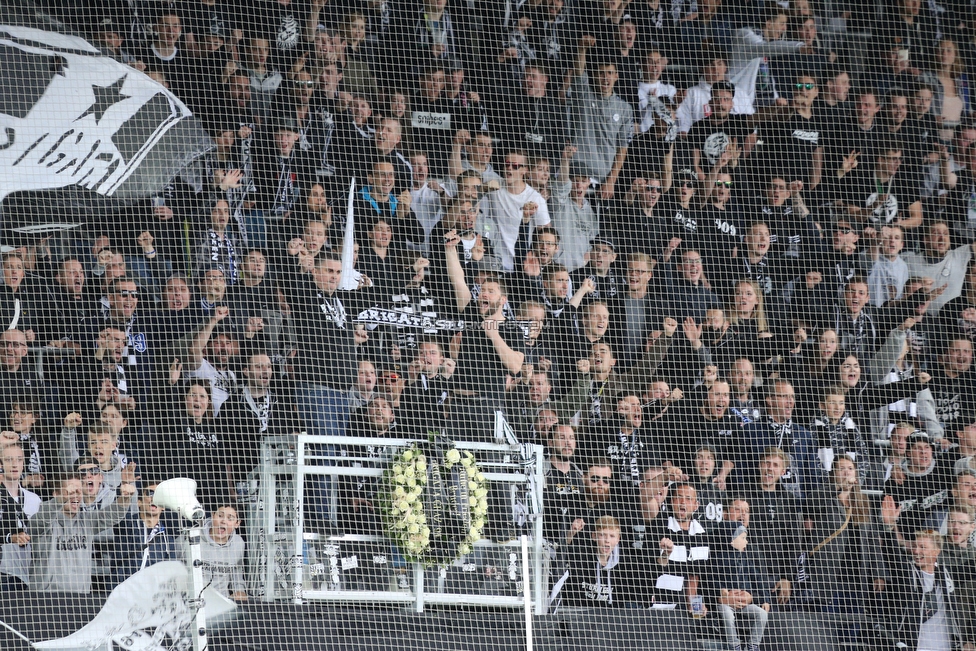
x: 333, y: 310
x: 260, y: 408
x: 786, y: 441
x: 228, y: 263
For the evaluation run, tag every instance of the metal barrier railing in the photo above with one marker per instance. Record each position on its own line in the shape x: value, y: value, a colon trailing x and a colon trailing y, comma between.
x: 284, y: 558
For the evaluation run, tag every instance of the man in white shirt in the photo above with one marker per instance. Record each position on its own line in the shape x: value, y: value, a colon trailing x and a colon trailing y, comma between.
x: 209, y: 356
x: 652, y: 86
x: 749, y: 59
x: 696, y: 104
x: 428, y: 196
x: 946, y: 268
x: 505, y: 208
x: 889, y: 272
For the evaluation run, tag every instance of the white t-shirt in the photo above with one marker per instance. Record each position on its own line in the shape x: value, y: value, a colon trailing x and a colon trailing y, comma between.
x: 656, y: 89
x: 933, y: 634
x: 503, y: 217
x: 426, y: 206
x: 696, y: 107
x: 950, y: 270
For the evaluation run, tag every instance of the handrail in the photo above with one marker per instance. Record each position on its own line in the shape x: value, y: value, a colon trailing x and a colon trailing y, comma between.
x: 286, y: 462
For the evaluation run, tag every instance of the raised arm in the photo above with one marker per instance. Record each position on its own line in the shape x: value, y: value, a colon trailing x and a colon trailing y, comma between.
x: 585, y: 43
x: 562, y: 175
x: 202, y: 336
x: 454, y: 165
x: 462, y: 293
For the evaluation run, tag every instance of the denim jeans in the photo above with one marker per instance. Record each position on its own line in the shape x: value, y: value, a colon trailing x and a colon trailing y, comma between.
x: 324, y: 411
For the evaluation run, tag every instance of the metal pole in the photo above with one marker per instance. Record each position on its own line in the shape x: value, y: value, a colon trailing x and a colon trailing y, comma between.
x: 195, y: 589
x: 418, y: 585
x: 541, y: 579
x: 266, y: 492
x: 299, y: 517
x: 527, y: 592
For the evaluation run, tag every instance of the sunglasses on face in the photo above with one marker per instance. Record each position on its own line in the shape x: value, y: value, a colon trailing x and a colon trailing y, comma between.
x: 514, y: 166
x: 304, y: 84
x: 92, y: 472
x: 149, y: 493
x: 654, y: 188
x: 688, y: 184
x: 128, y: 293
x: 599, y: 479
x: 805, y: 86
x: 719, y: 184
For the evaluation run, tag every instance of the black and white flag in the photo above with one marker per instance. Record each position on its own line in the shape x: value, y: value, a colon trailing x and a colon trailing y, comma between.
x: 71, y: 117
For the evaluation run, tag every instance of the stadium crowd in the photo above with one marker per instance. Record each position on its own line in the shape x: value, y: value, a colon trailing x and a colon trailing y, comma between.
x: 716, y: 256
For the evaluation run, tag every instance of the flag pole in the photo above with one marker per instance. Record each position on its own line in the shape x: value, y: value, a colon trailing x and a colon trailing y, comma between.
x: 349, y: 279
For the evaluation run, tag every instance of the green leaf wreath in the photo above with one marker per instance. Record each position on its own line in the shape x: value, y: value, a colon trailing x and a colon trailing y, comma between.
x: 434, y: 502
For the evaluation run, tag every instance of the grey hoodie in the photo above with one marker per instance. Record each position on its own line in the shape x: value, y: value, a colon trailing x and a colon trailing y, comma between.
x: 62, y: 546
x: 223, y: 565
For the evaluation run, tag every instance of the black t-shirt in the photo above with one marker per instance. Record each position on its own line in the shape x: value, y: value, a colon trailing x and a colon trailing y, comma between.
x: 887, y: 201
x: 283, y: 27
x: 684, y: 221
x: 432, y: 128
x: 204, y: 20
x: 479, y: 368
x: 630, y: 454
x: 961, y: 202
x: 951, y: 319
x: 712, y: 138
x: 792, y: 144
x: 720, y: 232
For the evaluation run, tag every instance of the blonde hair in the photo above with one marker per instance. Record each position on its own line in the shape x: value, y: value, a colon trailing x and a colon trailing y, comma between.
x: 605, y: 522
x: 761, y: 324
x: 931, y: 535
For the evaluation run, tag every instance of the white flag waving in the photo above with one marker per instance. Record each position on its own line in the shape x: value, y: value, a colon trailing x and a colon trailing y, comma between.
x: 70, y: 116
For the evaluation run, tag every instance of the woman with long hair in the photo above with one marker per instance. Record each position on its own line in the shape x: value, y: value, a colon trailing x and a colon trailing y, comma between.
x: 754, y: 336
x: 843, y: 564
x: 950, y: 83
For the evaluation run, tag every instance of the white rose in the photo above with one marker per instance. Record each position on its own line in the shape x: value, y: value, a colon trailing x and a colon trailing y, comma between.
x: 409, y: 473
x: 473, y: 501
x: 464, y: 548
x: 483, y: 502
x: 421, y: 466
x: 472, y: 486
x: 411, y: 482
x: 481, y: 492
x: 452, y: 456
x: 421, y: 459
x: 408, y: 455
x: 399, y: 492
x: 413, y: 529
x: 479, y: 476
